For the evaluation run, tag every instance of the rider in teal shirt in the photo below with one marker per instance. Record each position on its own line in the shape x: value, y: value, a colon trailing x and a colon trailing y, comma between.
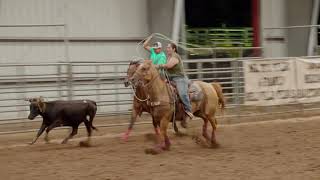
x: 156, y: 54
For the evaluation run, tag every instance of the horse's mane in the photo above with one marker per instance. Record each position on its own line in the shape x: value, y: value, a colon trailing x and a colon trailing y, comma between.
x: 135, y: 62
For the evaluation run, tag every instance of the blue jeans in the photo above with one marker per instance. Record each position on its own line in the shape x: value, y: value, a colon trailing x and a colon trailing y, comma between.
x: 182, y: 87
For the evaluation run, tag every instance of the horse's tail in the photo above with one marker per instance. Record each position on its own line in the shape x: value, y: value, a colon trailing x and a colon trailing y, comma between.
x: 218, y: 89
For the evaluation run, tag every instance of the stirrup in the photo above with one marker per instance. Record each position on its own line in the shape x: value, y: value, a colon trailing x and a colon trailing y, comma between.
x: 189, y: 114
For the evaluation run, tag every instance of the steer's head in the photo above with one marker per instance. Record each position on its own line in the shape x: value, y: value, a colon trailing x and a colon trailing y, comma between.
x: 37, y: 106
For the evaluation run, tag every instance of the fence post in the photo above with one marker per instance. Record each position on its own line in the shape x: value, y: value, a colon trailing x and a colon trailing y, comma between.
x: 97, y: 81
x: 241, y: 52
x: 116, y: 84
x: 60, y: 88
x: 236, y: 85
x: 21, y: 71
x: 70, y: 80
x: 297, y: 90
x: 199, y: 70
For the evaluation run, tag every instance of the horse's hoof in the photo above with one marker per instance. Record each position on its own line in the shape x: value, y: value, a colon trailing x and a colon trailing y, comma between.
x: 84, y: 144
x: 125, y: 137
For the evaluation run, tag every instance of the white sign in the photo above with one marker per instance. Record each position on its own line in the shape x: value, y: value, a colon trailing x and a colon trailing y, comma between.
x: 269, y: 82
x: 308, y: 80
x: 272, y: 82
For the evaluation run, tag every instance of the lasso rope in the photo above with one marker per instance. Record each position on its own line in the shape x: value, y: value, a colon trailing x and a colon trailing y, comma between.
x: 135, y: 95
x: 179, y: 44
x: 172, y: 96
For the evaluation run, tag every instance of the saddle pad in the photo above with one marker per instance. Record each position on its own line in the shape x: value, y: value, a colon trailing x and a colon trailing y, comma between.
x: 195, y: 92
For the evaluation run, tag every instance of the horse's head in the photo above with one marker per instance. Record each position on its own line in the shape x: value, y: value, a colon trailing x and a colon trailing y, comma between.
x: 144, y: 72
x: 133, y: 66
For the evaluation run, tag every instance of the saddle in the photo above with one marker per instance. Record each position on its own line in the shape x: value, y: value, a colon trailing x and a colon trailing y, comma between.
x: 194, y: 91
x: 195, y: 94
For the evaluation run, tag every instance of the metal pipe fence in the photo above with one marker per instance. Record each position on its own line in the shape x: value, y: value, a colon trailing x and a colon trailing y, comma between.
x: 103, y: 83
x: 100, y: 81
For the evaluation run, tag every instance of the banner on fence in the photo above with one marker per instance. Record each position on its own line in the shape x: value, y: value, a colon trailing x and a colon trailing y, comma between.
x: 269, y: 82
x: 282, y: 81
x: 308, y: 80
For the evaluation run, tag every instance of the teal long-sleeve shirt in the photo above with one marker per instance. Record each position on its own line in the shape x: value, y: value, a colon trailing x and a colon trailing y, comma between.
x: 159, y: 58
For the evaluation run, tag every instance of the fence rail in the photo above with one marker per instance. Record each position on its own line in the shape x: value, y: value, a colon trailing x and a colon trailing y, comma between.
x: 100, y: 81
x: 103, y: 82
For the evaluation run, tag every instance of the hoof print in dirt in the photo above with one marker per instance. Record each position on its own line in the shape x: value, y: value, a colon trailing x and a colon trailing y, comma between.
x: 200, y: 141
x: 151, y: 137
x: 214, y: 145
x: 84, y: 144
x: 152, y: 151
x: 180, y: 134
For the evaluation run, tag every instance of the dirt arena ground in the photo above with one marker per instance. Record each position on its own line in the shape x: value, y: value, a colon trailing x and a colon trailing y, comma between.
x: 279, y: 149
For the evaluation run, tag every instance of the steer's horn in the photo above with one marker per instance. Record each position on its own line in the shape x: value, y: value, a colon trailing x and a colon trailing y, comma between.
x: 41, y: 104
x: 29, y: 99
x: 41, y: 99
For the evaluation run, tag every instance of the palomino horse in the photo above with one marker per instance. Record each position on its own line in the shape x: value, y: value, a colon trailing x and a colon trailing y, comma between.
x: 140, y: 102
x: 162, y: 109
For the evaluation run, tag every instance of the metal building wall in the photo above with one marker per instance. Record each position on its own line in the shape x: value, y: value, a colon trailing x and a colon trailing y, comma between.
x: 283, y: 13
x: 100, y: 29
x: 299, y: 13
x: 273, y: 14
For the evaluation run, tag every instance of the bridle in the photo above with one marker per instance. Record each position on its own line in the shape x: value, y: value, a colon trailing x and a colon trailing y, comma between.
x: 133, y: 87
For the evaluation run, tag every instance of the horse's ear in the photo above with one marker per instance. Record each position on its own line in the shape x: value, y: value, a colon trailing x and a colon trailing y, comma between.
x: 133, y: 62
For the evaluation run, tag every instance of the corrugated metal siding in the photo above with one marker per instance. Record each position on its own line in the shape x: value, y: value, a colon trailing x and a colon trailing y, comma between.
x: 111, y: 18
x: 26, y: 52
x: 31, y: 12
x: 276, y: 19
x: 85, y: 18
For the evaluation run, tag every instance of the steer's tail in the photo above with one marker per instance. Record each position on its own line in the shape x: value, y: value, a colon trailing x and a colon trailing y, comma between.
x: 92, y: 112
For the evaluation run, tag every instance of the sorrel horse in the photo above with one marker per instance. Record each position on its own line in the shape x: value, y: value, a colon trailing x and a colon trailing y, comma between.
x: 140, y: 102
x: 162, y: 109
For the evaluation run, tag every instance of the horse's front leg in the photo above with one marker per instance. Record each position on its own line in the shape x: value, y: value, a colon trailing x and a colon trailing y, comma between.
x: 164, y: 143
x: 133, y: 119
x: 156, y: 126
